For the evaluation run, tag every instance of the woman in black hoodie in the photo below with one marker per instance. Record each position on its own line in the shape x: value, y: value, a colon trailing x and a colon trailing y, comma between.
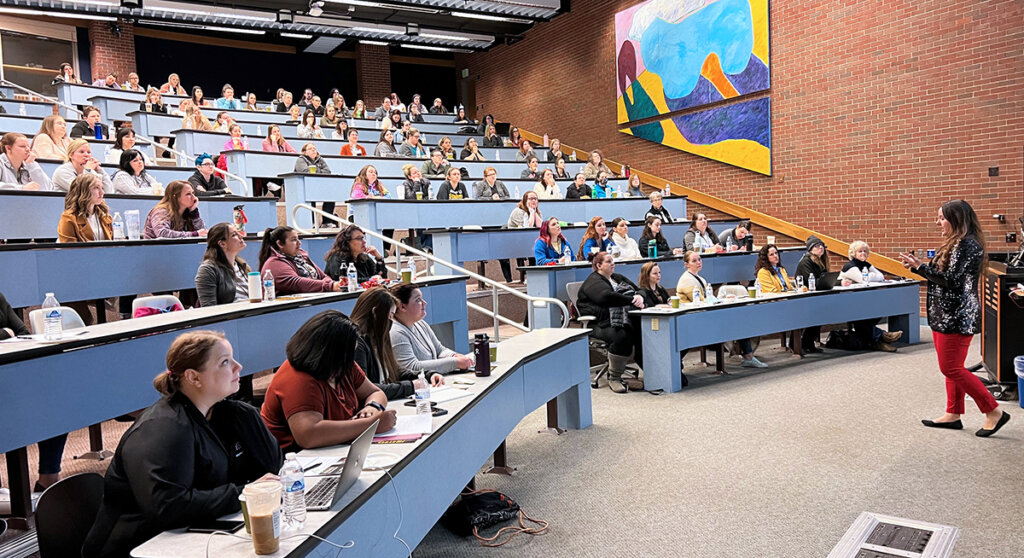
x: 814, y: 262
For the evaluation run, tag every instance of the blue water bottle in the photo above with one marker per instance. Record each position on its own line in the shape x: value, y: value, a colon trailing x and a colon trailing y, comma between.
x: 97, y: 129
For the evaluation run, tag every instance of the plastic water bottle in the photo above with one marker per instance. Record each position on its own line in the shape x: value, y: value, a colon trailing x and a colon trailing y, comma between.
x: 353, y: 278
x: 268, y: 286
x: 698, y: 294
x: 709, y: 294
x: 53, y: 322
x: 422, y: 395
x: 118, y: 226
x: 293, y: 484
x: 698, y: 243
x: 668, y: 191
x: 401, y: 191
x: 517, y: 194
x: 497, y: 154
x: 21, y: 109
x: 864, y: 276
x: 729, y: 244
x: 259, y: 130
x: 757, y: 289
x: 812, y: 283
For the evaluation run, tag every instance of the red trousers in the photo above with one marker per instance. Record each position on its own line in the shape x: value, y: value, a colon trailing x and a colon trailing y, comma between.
x: 952, y: 352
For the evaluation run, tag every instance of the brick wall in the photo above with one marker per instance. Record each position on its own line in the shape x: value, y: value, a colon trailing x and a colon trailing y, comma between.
x: 373, y: 74
x: 881, y: 111
x: 112, y: 52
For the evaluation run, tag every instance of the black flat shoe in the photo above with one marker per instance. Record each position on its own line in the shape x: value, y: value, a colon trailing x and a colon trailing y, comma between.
x: 954, y: 425
x: 983, y: 433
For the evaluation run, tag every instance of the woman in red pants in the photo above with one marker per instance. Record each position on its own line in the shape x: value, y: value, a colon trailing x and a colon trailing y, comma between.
x: 954, y: 313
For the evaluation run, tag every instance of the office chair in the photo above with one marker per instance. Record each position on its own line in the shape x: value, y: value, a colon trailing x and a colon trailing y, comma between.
x: 596, y: 345
x: 66, y: 512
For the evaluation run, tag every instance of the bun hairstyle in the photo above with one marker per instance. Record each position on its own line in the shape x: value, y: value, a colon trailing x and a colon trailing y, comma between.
x: 188, y: 351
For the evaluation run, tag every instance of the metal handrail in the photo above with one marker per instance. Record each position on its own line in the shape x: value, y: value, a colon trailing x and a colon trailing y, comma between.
x: 245, y: 185
x: 495, y: 285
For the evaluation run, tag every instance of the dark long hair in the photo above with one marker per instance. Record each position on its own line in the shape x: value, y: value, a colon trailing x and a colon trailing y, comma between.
x: 271, y: 238
x: 963, y: 221
x: 324, y: 347
x: 216, y: 234
x: 762, y: 259
x: 125, y: 163
x: 648, y: 234
x: 371, y: 317
x: 342, y: 244
x: 121, y: 134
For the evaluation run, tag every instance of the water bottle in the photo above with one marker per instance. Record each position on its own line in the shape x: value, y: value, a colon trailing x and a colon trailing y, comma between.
x: 729, y: 244
x: 799, y: 283
x: 622, y: 193
x: 668, y: 191
x: 353, y: 278
x: 259, y: 130
x: 401, y: 191
x: 423, y: 395
x: 698, y: 243
x: 21, y: 109
x: 709, y: 293
x: 572, y: 156
x: 53, y: 322
x: 517, y: 194
x: 293, y: 484
x: 757, y: 289
x: 812, y: 283
x: 97, y: 131
x: 864, y: 275
x: 118, y: 226
x: 698, y: 294
x: 497, y: 154
x: 652, y: 248
x: 268, y: 286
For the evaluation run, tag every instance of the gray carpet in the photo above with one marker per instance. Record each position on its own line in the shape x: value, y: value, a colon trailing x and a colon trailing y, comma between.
x: 774, y: 462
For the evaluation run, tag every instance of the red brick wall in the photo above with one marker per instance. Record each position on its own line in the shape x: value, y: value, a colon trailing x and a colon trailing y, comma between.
x: 110, y: 52
x: 881, y: 111
x: 373, y: 74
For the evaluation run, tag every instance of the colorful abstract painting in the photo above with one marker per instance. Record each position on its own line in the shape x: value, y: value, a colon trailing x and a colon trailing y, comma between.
x: 676, y: 55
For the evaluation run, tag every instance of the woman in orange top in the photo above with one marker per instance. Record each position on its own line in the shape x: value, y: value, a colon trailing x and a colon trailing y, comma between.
x: 770, y: 273
x: 352, y: 148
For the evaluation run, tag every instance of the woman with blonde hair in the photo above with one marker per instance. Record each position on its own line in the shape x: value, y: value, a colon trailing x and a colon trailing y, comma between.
x: 194, y: 118
x: 79, y: 161
x: 176, y: 215
x: 52, y: 141
x: 86, y: 217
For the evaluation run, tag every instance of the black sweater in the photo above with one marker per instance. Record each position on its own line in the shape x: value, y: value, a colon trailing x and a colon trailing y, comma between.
x: 366, y: 267
x: 807, y: 266
x: 663, y: 248
x: 9, y: 320
x: 597, y: 296
x: 213, y: 187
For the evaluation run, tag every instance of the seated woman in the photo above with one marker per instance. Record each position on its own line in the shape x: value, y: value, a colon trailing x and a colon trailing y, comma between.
x: 770, y: 271
x: 340, y: 130
x: 131, y: 177
x: 633, y: 186
x: 187, y: 458
x: 66, y: 75
x: 176, y: 215
x: 415, y: 183
x: 859, y: 270
x: 320, y: 397
x: 293, y: 271
x: 337, y: 102
x: 437, y: 107
x: 514, y: 139
x: 471, y: 151
x: 223, y: 277
x: 608, y: 297
x: 445, y: 145
x: 367, y: 185
x: 532, y: 170
x: 222, y: 123
x: 490, y: 188
x: 294, y: 115
x: 547, y: 188
x: 555, y: 151
x: 124, y: 139
x: 461, y: 118
x: 250, y: 102
x: 526, y: 214
x: 311, y: 162
x: 525, y: 151
x: 601, y: 190
x: 578, y: 189
x: 18, y: 166
x: 227, y: 100
x: 205, y: 181
x: 275, y: 142
x: 350, y: 247
x: 415, y: 114
x: 491, y: 138
x: 330, y: 119
x: 236, y: 141
x: 650, y: 286
x: 173, y: 86
x: 595, y: 239
x: 309, y: 129
x: 652, y: 231
x: 738, y: 237
x: 691, y: 281
x: 285, y: 104
x: 814, y: 263
x: 197, y: 97
x: 412, y: 147
x: 52, y: 141
x: 700, y: 236
x: 87, y: 128
x: 560, y: 171
x: 484, y: 125
x: 628, y: 249
x: 80, y: 160
x: 452, y: 188
x: 596, y: 166
x: 658, y: 207
x: 416, y: 347
x: 153, y: 102
x: 397, y: 103
x: 193, y: 118
x: 359, y: 110
x: 386, y: 145
x: 352, y: 148
x: 551, y: 247
x: 372, y: 316
x: 87, y: 217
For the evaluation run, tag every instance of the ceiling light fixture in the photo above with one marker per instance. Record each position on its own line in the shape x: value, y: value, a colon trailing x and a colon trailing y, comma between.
x: 16, y: 11
x: 375, y: 43
x: 234, y: 14
x: 362, y: 3
x: 205, y: 27
x: 485, y: 17
x: 439, y: 49
x: 296, y: 35
x: 382, y: 30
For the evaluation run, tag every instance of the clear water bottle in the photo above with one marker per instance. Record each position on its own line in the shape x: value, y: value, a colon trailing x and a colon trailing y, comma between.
x: 259, y: 130
x: 709, y: 293
x: 21, y: 109
x: 422, y: 395
x: 729, y: 244
x: 757, y: 289
x: 812, y: 283
x: 698, y: 294
x: 293, y: 484
x: 698, y: 243
x: 53, y: 322
x: 268, y: 286
x: 864, y: 275
x: 517, y: 194
x: 118, y: 226
x: 353, y: 278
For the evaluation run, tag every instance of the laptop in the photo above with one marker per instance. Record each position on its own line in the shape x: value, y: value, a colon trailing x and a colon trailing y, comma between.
x: 827, y: 281
x: 329, y: 490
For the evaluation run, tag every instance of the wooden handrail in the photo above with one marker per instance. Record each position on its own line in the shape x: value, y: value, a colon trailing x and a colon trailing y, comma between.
x: 834, y: 245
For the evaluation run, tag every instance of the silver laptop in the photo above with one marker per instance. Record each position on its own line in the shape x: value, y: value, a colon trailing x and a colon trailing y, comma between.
x: 328, y: 491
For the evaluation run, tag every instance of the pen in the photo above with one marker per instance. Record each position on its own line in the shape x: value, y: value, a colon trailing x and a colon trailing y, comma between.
x: 311, y: 466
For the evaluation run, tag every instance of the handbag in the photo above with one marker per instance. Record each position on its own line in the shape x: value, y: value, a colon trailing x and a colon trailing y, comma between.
x: 480, y: 509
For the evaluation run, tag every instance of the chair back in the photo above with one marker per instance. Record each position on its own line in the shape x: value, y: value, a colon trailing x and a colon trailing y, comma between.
x: 573, y: 290
x: 68, y: 315
x: 66, y: 512
x: 739, y: 291
x: 3, y: 527
x: 159, y: 302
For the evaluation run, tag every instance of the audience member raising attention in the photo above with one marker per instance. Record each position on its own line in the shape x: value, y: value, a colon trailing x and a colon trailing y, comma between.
x: 193, y: 118
x: 86, y: 217
x: 652, y: 231
x: 18, y: 166
x: 526, y: 214
x: 551, y: 247
x: 87, y: 128
x: 531, y: 171
x: 319, y: 396
x: 700, y: 236
x: 411, y: 147
x: 330, y: 119
x: 131, y: 176
x: 855, y: 271
x: 367, y: 185
x: 650, y: 286
x: 814, y: 263
x: 770, y: 271
x: 352, y: 148
x: 275, y: 142
x: 596, y: 165
x: 525, y: 151
x: 628, y: 249
x: 658, y: 208
x: 437, y: 166
x: 205, y: 180
x: 547, y: 188
x: 471, y: 151
x: 52, y: 141
x: 153, y: 102
x: 286, y: 102
x: 309, y: 129
x: 173, y: 86
x: 437, y: 107
x: 595, y: 239
x: 578, y: 189
x: 416, y: 347
x: 123, y: 140
x: 223, y: 277
x: 490, y: 188
x: 282, y: 254
x: 186, y: 459
x: 66, y: 75
x: 384, y: 110
x: 386, y: 145
x: 80, y: 160
x: 176, y: 215
x: 372, y: 315
x: 350, y: 247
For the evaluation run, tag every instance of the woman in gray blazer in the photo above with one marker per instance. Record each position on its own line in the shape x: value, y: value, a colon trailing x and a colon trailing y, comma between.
x: 415, y: 345
x: 223, y: 277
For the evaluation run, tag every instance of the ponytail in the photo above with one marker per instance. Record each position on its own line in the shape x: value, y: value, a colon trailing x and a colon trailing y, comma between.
x: 188, y: 351
x: 271, y: 236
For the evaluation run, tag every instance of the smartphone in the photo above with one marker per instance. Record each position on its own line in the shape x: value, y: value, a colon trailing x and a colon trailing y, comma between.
x: 228, y: 526
x: 412, y: 403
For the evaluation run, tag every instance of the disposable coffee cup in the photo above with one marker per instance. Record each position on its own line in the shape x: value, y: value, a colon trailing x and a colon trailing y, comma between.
x: 263, y: 501
x: 245, y: 512
x: 752, y: 292
x: 674, y: 301
x: 494, y: 354
x: 771, y: 239
x: 419, y: 195
x: 407, y: 275
x: 312, y: 170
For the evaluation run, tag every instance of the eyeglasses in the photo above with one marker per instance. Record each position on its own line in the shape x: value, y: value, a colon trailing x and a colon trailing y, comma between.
x: 491, y: 174
x: 206, y: 164
x: 359, y: 238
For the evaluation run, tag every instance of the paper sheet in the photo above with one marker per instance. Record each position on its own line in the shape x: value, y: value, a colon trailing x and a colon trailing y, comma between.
x: 410, y: 424
x: 446, y: 393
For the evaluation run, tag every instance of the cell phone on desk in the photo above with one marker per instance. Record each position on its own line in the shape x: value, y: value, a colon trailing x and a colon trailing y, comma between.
x: 225, y: 525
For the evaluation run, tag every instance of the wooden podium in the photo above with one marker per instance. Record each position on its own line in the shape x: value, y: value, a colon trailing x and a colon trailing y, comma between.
x: 1002, y: 322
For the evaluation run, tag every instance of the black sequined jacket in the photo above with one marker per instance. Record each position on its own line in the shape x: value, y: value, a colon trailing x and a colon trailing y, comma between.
x: 953, y: 302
